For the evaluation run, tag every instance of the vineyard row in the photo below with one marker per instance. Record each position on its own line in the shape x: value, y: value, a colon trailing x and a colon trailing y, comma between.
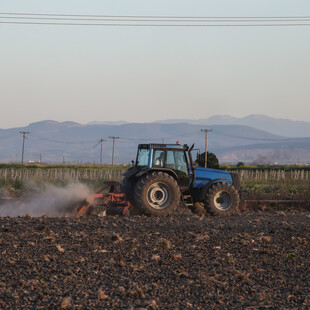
x: 110, y: 174
x: 60, y: 174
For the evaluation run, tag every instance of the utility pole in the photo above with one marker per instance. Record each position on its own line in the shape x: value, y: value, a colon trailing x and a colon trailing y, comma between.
x: 113, y: 148
x: 24, y: 138
x: 101, y: 141
x: 206, y: 147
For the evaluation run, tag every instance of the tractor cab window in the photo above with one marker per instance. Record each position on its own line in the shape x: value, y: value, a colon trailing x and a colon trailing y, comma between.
x: 158, y: 158
x: 176, y: 160
x: 143, y: 157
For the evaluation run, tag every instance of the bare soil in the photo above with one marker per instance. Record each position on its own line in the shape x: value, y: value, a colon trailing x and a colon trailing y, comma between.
x: 255, y: 260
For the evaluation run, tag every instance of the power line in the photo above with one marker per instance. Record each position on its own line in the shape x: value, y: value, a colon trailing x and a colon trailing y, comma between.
x: 152, y: 21
x: 158, y: 25
x: 183, y: 135
x: 213, y: 20
x: 8, y: 135
x: 149, y: 16
x: 58, y: 141
x: 258, y: 139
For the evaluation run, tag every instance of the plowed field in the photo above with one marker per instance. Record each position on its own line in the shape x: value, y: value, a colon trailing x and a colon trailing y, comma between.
x: 253, y: 260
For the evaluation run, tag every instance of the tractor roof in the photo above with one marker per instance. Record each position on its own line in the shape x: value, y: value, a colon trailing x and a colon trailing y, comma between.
x: 163, y: 146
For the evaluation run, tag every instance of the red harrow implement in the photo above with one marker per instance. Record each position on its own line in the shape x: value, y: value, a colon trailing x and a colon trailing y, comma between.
x: 103, y: 202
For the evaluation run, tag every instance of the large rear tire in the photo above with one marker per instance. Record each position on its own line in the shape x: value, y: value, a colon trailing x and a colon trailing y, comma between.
x: 157, y: 194
x: 222, y: 199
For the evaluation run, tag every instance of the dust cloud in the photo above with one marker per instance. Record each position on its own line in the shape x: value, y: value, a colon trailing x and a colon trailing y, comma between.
x: 52, y: 201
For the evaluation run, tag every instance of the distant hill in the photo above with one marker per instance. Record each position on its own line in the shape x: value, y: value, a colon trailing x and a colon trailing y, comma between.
x: 107, y: 123
x: 278, y: 126
x: 75, y: 143
x: 290, y: 151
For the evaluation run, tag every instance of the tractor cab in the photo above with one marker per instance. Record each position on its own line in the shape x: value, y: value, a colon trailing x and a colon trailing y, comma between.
x: 171, y: 158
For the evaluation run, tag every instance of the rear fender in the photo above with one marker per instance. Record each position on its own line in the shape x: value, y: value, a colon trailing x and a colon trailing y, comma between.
x: 131, y: 172
x: 146, y: 171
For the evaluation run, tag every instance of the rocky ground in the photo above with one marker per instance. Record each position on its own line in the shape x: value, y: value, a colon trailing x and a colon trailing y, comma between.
x: 255, y: 260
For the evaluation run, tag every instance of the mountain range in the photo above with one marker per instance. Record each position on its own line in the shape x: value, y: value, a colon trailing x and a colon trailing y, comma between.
x: 278, y: 126
x: 231, y: 139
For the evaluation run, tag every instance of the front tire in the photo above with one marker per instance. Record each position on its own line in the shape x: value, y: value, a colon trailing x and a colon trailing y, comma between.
x: 222, y: 199
x: 157, y: 194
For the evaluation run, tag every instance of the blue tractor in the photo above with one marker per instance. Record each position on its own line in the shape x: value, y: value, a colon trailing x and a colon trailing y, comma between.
x: 164, y: 175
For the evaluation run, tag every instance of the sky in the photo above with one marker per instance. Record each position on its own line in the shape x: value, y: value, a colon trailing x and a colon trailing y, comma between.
x: 143, y: 74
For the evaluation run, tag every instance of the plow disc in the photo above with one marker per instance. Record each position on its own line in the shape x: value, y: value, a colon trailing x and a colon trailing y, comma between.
x: 108, y: 200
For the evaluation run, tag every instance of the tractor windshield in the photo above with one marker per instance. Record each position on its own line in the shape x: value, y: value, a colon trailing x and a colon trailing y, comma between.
x: 143, y: 157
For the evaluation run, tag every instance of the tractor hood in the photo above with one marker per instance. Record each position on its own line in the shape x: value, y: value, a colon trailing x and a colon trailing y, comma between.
x: 203, y: 176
